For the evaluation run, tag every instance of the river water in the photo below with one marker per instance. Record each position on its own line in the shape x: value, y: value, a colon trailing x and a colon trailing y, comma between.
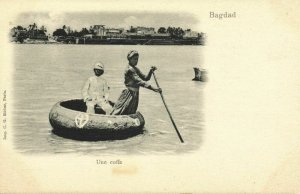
x: 46, y: 74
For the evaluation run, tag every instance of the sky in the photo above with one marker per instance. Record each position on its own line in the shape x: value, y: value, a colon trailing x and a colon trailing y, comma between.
x: 78, y: 20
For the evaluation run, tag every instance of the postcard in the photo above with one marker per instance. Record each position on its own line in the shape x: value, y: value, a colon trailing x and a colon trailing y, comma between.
x: 149, y: 97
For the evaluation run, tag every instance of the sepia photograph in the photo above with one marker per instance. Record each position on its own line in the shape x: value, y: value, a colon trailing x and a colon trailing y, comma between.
x: 149, y: 96
x: 107, y: 83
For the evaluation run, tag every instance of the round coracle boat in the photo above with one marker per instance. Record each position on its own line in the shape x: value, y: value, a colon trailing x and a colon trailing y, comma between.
x: 69, y: 119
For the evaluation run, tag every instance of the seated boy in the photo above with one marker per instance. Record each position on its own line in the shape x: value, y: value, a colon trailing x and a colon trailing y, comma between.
x: 96, y: 91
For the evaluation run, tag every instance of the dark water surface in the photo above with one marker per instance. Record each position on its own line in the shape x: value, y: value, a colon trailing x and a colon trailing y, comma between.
x: 46, y: 74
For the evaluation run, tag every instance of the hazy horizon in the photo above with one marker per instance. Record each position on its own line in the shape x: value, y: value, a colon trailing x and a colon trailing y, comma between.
x: 77, y: 21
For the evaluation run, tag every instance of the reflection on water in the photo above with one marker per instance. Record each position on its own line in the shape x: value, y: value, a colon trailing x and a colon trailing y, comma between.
x: 46, y: 74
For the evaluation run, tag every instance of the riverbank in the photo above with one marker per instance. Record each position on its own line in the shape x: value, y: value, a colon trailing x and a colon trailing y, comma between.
x: 139, y: 41
x: 114, y: 41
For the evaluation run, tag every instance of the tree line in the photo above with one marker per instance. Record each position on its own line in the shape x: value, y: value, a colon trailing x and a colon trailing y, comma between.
x: 33, y: 31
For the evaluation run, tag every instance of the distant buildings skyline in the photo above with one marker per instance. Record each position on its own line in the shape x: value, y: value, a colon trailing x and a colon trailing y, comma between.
x: 101, y: 30
x: 98, y: 34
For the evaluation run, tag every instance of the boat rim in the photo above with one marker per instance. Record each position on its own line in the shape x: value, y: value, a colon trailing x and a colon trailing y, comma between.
x: 58, y: 104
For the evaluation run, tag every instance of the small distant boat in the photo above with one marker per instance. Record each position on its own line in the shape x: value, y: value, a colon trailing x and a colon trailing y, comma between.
x: 69, y: 119
x: 200, y: 74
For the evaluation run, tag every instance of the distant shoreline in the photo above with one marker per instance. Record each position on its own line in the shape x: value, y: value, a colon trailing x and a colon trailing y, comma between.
x: 83, y: 41
x: 98, y: 34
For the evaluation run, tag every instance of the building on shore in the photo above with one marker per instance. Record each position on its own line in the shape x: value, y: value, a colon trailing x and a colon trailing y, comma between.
x: 99, y: 30
x: 114, y: 32
x: 142, y: 30
x: 190, y: 34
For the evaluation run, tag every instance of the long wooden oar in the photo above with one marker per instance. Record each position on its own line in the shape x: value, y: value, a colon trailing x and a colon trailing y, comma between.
x: 162, y: 97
